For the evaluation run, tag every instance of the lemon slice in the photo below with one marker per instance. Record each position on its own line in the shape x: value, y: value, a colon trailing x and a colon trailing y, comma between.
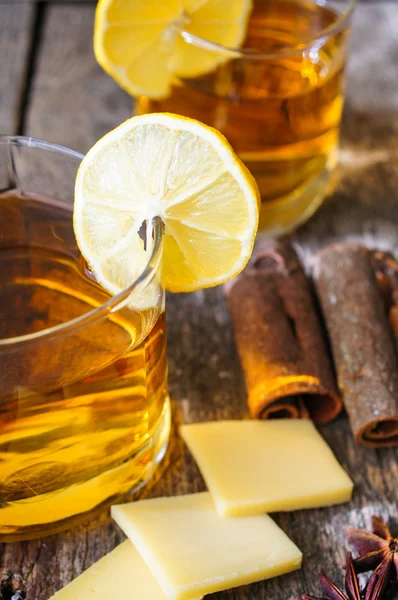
x: 141, y: 45
x: 175, y: 168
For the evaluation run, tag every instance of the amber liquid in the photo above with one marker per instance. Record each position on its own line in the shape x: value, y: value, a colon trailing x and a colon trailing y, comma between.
x: 281, y: 115
x: 84, y: 413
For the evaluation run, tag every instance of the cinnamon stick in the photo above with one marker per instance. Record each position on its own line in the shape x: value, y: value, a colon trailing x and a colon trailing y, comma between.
x: 386, y: 268
x: 352, y: 294
x: 282, y: 348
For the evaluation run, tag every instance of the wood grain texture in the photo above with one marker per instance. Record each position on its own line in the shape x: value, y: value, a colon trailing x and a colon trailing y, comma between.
x: 15, y: 39
x: 74, y: 103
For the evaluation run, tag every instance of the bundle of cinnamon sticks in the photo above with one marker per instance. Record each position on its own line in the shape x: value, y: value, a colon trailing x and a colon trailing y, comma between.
x: 295, y: 333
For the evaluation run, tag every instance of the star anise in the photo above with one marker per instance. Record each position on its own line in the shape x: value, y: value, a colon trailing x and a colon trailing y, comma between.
x: 374, y: 548
x: 11, y: 586
x: 374, y: 590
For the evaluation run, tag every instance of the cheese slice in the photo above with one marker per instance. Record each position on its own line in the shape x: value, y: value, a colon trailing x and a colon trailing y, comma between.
x: 120, y: 575
x: 252, y: 467
x: 192, y: 551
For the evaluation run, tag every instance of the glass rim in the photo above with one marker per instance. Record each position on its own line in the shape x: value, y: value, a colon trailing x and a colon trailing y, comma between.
x: 258, y: 54
x: 114, y: 302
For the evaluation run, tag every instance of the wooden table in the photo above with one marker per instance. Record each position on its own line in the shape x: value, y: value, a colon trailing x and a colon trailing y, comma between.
x: 51, y: 87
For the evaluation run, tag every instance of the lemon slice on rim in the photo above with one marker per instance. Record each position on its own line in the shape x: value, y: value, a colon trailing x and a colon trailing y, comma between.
x: 141, y: 45
x: 175, y: 168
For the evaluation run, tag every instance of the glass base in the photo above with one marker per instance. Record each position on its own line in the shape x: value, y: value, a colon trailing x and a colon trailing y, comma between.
x: 286, y: 214
x: 50, y: 513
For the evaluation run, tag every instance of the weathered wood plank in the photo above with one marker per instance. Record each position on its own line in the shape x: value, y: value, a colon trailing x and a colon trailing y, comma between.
x: 15, y: 41
x: 74, y: 103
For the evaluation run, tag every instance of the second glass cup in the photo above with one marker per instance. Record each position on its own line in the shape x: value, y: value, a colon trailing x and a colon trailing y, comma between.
x: 278, y: 100
x: 84, y: 407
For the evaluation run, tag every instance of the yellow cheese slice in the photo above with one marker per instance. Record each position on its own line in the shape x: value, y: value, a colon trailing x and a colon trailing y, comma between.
x: 192, y: 551
x: 120, y: 575
x: 252, y: 467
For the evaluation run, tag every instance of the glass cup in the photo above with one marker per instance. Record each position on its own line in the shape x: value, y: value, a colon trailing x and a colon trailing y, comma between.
x: 278, y: 100
x: 84, y: 411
